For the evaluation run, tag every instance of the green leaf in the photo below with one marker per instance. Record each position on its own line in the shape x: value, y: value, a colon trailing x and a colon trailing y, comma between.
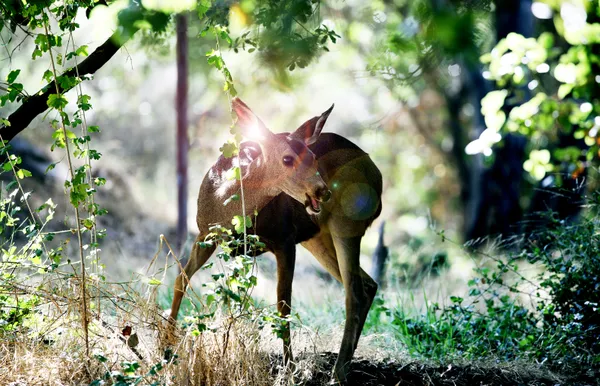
x: 59, y: 138
x: 524, y: 342
x: 82, y: 51
x: 202, y: 7
x: 101, y: 358
x: 564, y: 90
x: 12, y: 76
x: 37, y: 53
x: 70, y: 134
x: 87, y: 223
x: 493, y: 101
x: 546, y: 40
x: 234, y: 173
x: 142, y: 25
x: 528, y: 109
x: 83, y: 101
x: 67, y: 82
x: 232, y: 90
x: 229, y: 149
x: 253, y: 280
x: 22, y: 173
x: 48, y: 76
x: 238, y: 223
x: 223, y: 34
x: 234, y: 197
x: 566, y: 73
x: 57, y: 101
x: 495, y: 120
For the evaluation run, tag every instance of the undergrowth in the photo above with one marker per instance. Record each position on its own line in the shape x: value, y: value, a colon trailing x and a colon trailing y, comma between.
x: 538, y: 304
x: 62, y: 320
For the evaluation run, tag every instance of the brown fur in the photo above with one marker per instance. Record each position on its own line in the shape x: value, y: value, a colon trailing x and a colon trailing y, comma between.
x: 333, y: 235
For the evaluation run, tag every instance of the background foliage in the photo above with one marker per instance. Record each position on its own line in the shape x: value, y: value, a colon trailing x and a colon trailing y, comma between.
x: 482, y: 116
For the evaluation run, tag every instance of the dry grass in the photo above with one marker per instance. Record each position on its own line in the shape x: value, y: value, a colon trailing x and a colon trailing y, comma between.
x: 230, y: 357
x: 125, y: 342
x: 49, y: 348
x: 199, y: 361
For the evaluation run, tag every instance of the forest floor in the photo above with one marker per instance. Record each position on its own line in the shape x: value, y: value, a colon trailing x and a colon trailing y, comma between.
x: 131, y: 242
x: 370, y: 373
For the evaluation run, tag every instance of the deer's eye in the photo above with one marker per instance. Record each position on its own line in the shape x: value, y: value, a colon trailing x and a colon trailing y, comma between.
x: 288, y: 161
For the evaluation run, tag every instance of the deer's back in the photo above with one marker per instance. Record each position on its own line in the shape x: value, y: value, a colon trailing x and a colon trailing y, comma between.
x: 356, y: 184
x: 353, y: 178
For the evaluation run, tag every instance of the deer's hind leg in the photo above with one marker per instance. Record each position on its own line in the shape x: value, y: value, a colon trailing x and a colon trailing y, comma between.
x: 360, y: 291
x: 340, y: 257
x: 321, y: 247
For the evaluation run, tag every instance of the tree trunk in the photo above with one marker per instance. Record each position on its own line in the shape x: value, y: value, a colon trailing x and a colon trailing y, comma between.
x: 181, y: 105
x: 496, y: 208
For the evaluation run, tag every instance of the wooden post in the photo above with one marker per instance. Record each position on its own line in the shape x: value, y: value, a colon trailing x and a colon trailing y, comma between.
x: 380, y: 256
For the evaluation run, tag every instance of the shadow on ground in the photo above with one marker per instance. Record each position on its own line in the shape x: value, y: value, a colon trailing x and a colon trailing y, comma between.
x: 369, y: 373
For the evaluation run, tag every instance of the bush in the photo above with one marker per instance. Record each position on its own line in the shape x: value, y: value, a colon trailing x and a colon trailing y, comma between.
x: 570, y: 256
x: 558, y: 324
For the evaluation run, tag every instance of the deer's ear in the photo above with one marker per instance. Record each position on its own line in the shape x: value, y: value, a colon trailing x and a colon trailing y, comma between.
x: 252, y: 127
x: 310, y: 130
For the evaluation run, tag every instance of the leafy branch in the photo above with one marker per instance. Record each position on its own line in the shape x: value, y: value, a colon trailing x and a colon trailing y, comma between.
x: 35, y: 104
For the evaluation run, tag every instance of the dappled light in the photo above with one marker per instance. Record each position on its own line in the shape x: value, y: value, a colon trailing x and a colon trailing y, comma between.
x: 304, y: 192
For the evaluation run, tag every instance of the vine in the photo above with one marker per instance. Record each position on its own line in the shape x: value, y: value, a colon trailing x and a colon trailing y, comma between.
x: 45, y: 253
x: 80, y: 184
x: 233, y: 287
x: 59, y: 107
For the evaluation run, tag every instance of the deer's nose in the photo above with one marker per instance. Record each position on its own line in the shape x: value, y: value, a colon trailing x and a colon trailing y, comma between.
x: 323, y: 194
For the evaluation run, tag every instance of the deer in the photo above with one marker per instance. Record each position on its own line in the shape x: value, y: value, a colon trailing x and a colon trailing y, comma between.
x: 316, y: 189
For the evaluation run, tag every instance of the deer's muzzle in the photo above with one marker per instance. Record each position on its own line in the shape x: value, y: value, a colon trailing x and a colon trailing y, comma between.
x: 313, y: 203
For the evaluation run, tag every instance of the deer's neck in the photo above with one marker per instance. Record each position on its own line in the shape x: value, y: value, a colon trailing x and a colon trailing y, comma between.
x: 259, y: 188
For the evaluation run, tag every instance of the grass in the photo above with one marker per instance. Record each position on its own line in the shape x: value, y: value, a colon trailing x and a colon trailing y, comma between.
x: 49, y: 348
x: 413, y: 322
x: 125, y: 339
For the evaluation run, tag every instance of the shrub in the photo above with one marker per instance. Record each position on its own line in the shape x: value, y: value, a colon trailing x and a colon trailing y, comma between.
x: 559, y: 323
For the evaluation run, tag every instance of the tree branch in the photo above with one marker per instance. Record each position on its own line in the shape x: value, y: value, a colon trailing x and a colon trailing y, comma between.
x: 37, y: 103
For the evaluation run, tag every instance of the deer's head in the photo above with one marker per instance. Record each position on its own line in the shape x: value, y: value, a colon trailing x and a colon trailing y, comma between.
x: 287, y: 164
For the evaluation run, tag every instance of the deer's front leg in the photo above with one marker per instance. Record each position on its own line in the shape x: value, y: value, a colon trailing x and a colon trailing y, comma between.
x: 286, y: 261
x: 198, y: 257
x: 359, y: 296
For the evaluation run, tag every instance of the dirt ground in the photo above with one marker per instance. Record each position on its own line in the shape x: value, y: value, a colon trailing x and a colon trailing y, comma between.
x: 367, y: 373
